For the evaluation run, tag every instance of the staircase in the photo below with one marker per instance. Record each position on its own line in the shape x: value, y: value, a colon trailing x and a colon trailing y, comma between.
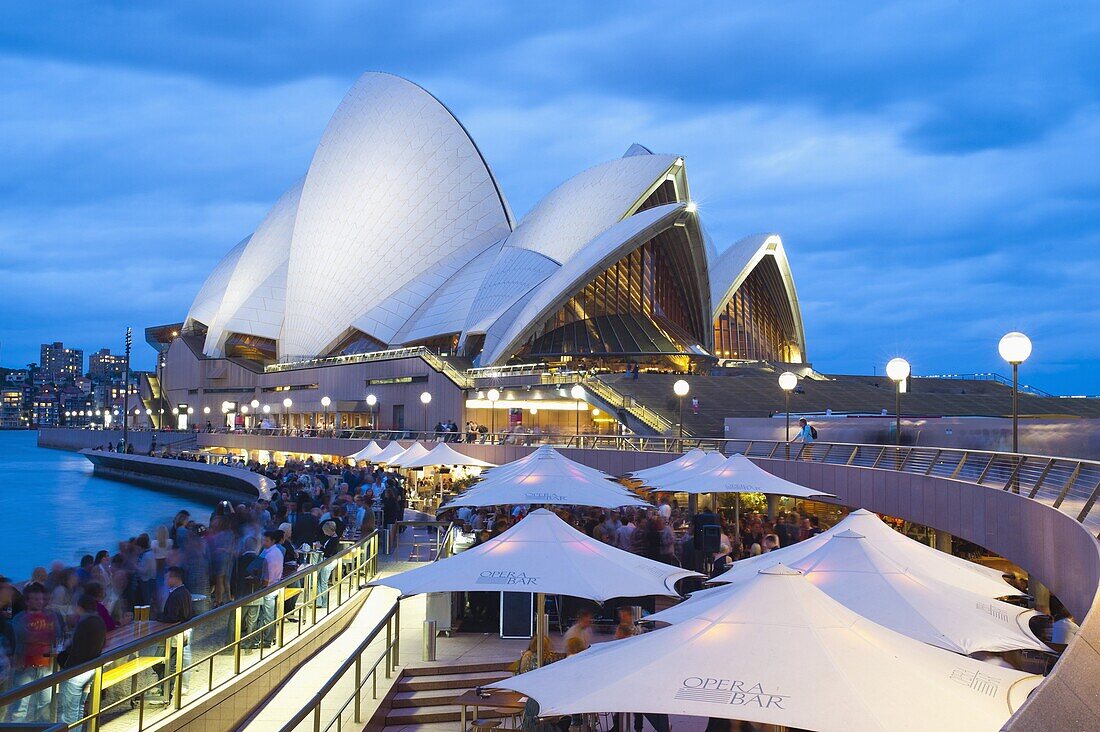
x: 425, y: 694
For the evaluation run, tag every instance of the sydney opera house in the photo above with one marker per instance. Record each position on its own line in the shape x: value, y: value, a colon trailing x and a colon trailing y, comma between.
x: 400, y: 236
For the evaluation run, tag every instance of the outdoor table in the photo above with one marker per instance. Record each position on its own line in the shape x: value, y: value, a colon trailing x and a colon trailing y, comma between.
x: 492, y: 698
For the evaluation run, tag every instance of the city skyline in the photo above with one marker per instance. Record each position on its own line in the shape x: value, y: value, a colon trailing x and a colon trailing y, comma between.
x: 913, y: 182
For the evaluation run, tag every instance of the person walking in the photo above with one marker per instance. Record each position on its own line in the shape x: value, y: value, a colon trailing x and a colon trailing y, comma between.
x: 89, y: 637
x: 270, y: 574
x: 807, y: 435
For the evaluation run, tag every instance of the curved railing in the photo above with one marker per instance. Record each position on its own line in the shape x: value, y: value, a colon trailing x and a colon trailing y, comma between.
x: 193, y: 659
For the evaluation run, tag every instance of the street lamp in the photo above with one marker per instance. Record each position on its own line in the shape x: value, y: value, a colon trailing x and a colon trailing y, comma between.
x: 286, y: 407
x: 425, y: 399
x: 787, y: 382
x: 577, y: 392
x: 325, y: 401
x: 681, y: 389
x: 1015, y: 347
x: 494, y: 396
x: 535, y: 414
x: 372, y: 401
x: 898, y: 371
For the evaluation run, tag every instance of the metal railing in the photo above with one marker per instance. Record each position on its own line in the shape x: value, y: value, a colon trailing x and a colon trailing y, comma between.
x: 312, y: 715
x: 618, y: 400
x: 429, y: 357
x: 193, y: 659
x: 358, y: 670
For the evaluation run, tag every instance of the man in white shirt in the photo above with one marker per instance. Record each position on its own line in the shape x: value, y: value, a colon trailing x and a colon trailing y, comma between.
x: 270, y: 574
x: 665, y: 509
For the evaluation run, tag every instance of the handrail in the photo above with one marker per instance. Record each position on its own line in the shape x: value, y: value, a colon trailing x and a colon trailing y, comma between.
x: 392, y: 354
x: 389, y: 654
x: 620, y: 401
x: 364, y: 557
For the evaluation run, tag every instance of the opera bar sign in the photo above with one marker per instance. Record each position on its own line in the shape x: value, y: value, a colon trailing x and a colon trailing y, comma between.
x: 734, y: 692
x: 501, y: 577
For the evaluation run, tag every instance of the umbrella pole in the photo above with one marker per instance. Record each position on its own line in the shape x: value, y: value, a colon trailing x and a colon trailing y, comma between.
x: 540, y: 611
x: 737, y: 516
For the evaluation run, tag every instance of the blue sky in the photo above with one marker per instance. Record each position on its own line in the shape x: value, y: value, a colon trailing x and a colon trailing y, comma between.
x: 932, y: 166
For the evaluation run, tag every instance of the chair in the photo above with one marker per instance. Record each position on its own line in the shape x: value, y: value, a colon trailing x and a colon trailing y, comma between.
x: 484, y: 725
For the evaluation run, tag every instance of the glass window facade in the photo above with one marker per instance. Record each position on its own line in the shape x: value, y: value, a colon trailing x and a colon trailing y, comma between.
x: 756, y: 323
x: 641, y: 305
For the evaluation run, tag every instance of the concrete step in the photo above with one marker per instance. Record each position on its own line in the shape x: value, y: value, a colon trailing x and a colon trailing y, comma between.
x: 437, y: 669
x: 462, y: 682
x: 431, y: 698
x: 426, y: 715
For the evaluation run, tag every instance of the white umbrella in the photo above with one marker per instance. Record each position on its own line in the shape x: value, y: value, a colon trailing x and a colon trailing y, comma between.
x: 368, y: 453
x: 864, y: 579
x: 738, y: 474
x: 782, y: 652
x: 543, y: 553
x: 546, y: 556
x: 546, y: 477
x: 687, y: 460
x: 919, y: 559
x: 415, y: 452
x: 673, y: 481
x: 390, y: 452
x: 444, y: 454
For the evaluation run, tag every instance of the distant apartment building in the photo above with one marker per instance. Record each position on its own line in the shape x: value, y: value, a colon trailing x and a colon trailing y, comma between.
x: 45, y: 407
x: 106, y: 367
x: 12, y: 415
x: 60, y: 365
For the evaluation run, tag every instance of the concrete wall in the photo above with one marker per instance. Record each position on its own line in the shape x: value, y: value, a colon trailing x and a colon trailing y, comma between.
x: 1077, y: 438
x: 203, y: 383
x: 67, y: 438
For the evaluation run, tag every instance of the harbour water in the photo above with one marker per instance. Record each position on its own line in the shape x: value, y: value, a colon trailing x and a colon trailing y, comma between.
x: 52, y: 507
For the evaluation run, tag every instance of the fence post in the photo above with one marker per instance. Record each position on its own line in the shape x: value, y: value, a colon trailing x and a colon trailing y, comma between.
x: 95, y: 699
x: 238, y: 631
x: 358, y: 681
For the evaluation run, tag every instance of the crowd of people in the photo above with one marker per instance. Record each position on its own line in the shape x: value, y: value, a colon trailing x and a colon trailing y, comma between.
x: 62, y: 616
x: 650, y: 532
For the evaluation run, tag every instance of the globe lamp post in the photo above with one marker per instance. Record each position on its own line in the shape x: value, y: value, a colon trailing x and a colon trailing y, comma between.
x: 577, y: 392
x: 286, y: 412
x: 1015, y: 347
x: 898, y: 371
x: 494, y: 397
x: 787, y: 382
x: 425, y: 399
x: 681, y: 389
x: 325, y: 401
x: 372, y: 401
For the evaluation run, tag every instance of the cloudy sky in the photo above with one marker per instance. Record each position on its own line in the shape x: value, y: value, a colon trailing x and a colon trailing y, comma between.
x: 932, y: 166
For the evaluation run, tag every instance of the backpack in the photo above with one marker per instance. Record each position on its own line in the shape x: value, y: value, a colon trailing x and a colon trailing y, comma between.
x: 813, y: 432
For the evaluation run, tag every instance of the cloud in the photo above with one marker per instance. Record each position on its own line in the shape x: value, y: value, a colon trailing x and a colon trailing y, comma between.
x: 925, y: 163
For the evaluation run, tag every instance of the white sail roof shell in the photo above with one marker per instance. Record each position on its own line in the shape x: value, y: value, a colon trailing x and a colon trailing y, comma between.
x: 253, y: 301
x: 597, y: 255
x: 396, y: 189
x: 205, y: 305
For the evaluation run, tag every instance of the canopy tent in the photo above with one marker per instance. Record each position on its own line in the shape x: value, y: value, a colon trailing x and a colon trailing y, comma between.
x: 543, y: 553
x: 861, y: 577
x: 444, y: 454
x: 368, y: 453
x: 391, y: 451
x: 782, y: 652
x: 687, y: 460
x: 415, y: 452
x: 546, y: 477
x: 673, y: 482
x: 546, y: 556
x: 738, y: 474
x: 919, y: 559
